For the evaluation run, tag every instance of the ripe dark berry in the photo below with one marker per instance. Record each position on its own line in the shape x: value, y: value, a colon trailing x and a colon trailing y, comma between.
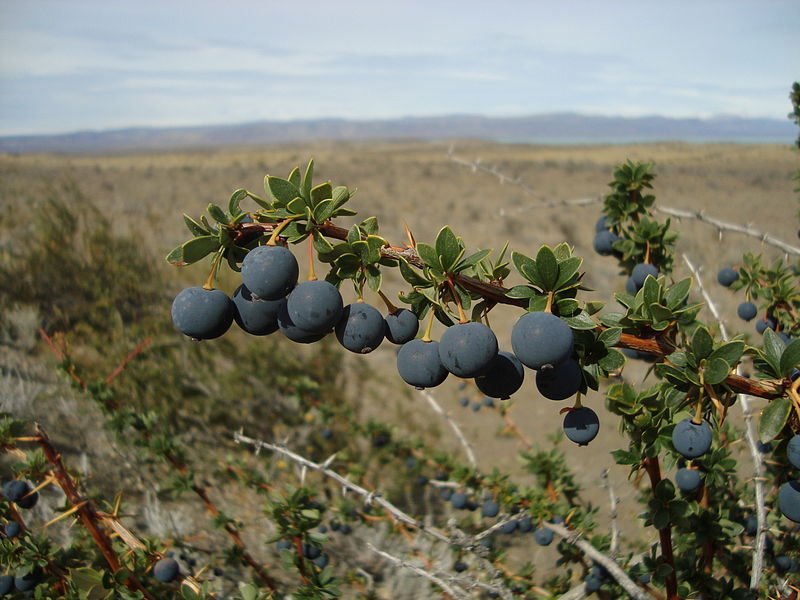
x: 292, y: 331
x: 793, y: 451
x: 463, y: 401
x: 490, y: 509
x: 419, y: 365
x: 789, y: 500
x: 604, y: 242
x: 561, y: 381
x: 315, y: 306
x: 166, y: 570
x: 12, y: 529
x: 15, y: 489
x: 727, y: 276
x: 691, y: 439
x: 310, y: 551
x: 467, y: 349
x: 459, y: 566
x: 784, y: 563
x: 381, y: 439
x: 253, y: 315
x: 28, y: 501
x: 503, y: 377
x: 581, y: 425
x: 601, y: 224
x: 476, y: 406
x: 640, y: 273
x: 283, y: 545
x: 751, y: 525
x: 543, y: 536
x: 688, y: 480
x: 361, y: 328
x: 747, y: 311
x: 6, y: 584
x: 763, y: 324
x: 509, y: 528
x: 763, y: 448
x: 525, y: 524
x: 322, y: 560
x: 459, y: 500
x: 592, y: 584
x: 202, y: 314
x: 446, y: 493
x: 644, y: 578
x: 28, y: 582
x: 631, y: 287
x: 541, y: 338
x: 270, y: 272
x: 401, y: 326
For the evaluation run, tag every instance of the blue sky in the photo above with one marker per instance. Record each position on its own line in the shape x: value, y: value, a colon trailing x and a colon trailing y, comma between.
x: 67, y: 66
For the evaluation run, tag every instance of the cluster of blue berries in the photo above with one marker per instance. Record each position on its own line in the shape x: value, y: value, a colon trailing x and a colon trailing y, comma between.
x: 270, y: 299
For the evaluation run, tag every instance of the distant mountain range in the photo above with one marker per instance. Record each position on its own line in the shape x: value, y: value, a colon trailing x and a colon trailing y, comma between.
x: 558, y: 128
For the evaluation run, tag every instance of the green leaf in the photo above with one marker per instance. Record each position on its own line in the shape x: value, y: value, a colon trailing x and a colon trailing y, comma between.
x: 282, y: 190
x: 370, y: 225
x: 521, y: 291
x: 473, y: 259
x: 321, y: 192
x: 323, y: 211
x: 661, y: 517
x: 790, y: 358
x: 294, y: 177
x: 612, y: 361
x: 411, y: 275
x: 374, y: 278
x: 773, y: 418
x: 581, y: 321
x: 547, y: 266
x: 650, y: 291
x: 194, y: 227
x: 610, y: 336
x: 448, y: 248
x: 308, y: 178
x: 567, y: 270
x: 773, y: 349
x: 665, y: 491
x: 236, y: 198
x: 702, y: 343
x: 340, y: 195
x: 375, y: 244
x: 526, y: 267
x: 660, y: 313
x: 218, y: 214
x: 194, y: 250
x: 730, y: 352
x: 678, y: 293
x: 429, y: 256
x: 716, y: 371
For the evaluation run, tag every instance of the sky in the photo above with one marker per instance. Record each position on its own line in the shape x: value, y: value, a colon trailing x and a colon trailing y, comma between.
x: 95, y: 65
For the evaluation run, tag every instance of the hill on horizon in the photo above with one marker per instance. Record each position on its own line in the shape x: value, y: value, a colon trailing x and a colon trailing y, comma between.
x: 555, y: 128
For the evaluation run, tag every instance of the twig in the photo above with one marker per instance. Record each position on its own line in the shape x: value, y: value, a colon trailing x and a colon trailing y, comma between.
x: 418, y: 571
x: 680, y: 213
x: 625, y: 582
x: 453, y: 425
x: 612, y: 501
x: 752, y: 444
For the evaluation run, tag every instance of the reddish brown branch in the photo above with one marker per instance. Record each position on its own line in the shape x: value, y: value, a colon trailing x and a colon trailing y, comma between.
x: 665, y: 535
x: 138, y: 349
x: 85, y: 511
x: 246, y: 232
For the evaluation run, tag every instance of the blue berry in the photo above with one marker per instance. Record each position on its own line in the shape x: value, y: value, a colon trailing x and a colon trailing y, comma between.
x: 793, y: 451
x: 292, y: 331
x: 463, y: 401
x: 270, y: 272
x: 543, y: 536
x: 509, y: 528
x: 581, y: 425
x: 763, y: 324
x: 29, y: 581
x: 419, y: 364
x: 640, y: 273
x: 503, y: 377
x: 692, y: 440
x: 6, y: 584
x: 604, y: 242
x: 459, y: 500
x: 253, y: 315
x: 467, y: 349
x: 540, y: 338
x: 15, y: 489
x: 322, y: 560
x: 592, y: 584
x: 166, y: 570
x: 315, y: 306
x: 561, y: 381
x: 747, y: 311
x: 12, y: 529
x: 459, y: 566
x: 361, y: 328
x: 476, y: 407
x: 727, y: 276
x: 401, y: 326
x: 202, y: 314
x: 784, y: 563
x: 789, y: 500
x: 631, y: 287
x: 525, y: 524
x: 688, y: 480
x: 490, y: 509
x: 310, y: 551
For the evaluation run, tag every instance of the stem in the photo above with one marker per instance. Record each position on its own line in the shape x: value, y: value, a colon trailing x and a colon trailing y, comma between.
x: 272, y: 241
x: 549, y: 306
x: 312, y: 274
x: 647, y: 253
x: 427, y: 336
x: 698, y: 410
x: 389, y: 306
x: 212, y: 274
x: 665, y: 535
x: 462, y: 317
